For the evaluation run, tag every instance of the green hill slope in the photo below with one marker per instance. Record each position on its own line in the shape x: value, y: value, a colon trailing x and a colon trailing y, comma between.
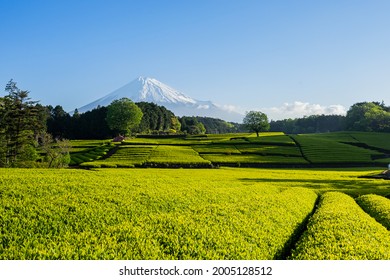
x: 342, y: 149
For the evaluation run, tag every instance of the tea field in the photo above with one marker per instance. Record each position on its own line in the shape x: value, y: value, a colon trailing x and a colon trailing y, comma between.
x: 213, y: 213
x: 274, y: 149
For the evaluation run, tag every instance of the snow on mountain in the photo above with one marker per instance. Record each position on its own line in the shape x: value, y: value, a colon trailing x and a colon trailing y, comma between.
x: 151, y: 90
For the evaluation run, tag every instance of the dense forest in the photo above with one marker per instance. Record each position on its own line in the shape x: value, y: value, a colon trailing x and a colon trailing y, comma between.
x: 310, y: 124
x: 362, y: 116
x: 155, y: 120
x: 93, y: 124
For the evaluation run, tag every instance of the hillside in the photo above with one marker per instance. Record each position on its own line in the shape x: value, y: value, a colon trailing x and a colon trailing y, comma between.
x: 145, y: 89
x: 344, y: 149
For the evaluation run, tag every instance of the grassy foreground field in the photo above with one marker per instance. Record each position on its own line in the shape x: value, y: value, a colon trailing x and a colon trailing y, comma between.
x: 227, y: 213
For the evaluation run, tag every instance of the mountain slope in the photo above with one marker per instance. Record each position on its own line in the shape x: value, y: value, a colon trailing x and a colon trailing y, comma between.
x: 151, y: 90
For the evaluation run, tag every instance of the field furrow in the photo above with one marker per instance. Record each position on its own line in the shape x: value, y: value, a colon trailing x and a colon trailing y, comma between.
x: 341, y: 230
x: 146, y: 214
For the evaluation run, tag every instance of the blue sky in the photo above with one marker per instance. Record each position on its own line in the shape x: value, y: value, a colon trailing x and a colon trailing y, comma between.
x: 286, y: 58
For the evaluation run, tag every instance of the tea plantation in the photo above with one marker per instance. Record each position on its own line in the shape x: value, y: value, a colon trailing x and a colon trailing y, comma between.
x: 301, y: 197
x: 346, y: 149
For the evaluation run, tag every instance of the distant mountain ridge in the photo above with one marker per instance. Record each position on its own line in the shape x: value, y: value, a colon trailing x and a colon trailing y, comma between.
x: 144, y: 89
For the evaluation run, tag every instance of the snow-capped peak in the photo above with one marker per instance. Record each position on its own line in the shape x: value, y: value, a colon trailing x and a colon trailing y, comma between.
x: 153, y: 90
x: 145, y: 89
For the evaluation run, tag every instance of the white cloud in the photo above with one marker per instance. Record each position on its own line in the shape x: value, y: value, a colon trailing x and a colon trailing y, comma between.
x: 229, y: 108
x: 299, y: 109
x: 203, y: 107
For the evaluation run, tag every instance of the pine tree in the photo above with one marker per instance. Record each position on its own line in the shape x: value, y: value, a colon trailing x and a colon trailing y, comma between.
x: 19, y: 123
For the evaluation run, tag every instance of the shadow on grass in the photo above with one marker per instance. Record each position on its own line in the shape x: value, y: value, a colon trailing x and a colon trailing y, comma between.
x: 351, y: 187
x: 290, y: 245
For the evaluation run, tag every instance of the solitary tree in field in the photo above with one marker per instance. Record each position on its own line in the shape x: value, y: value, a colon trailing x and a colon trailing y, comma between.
x: 123, y: 116
x: 256, y: 121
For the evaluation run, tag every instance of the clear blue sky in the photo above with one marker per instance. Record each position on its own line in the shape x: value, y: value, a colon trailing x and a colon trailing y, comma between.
x: 282, y: 57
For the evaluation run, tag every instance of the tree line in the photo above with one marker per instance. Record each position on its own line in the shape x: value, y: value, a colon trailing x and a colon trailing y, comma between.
x: 362, y: 116
x: 155, y: 119
x: 24, y: 141
x: 31, y: 132
x: 95, y: 124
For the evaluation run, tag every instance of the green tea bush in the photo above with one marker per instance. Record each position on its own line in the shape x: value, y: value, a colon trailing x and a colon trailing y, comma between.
x: 146, y: 214
x: 341, y: 230
x: 377, y: 206
x: 321, y: 150
x: 373, y: 139
x: 90, y: 154
x: 176, y: 155
x: 216, y: 148
x: 270, y: 150
x: 249, y: 159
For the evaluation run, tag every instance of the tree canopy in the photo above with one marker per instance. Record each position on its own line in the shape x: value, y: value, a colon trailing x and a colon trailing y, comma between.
x: 256, y: 121
x: 310, y: 124
x: 123, y: 116
x: 191, y: 125
x: 20, y: 123
x: 368, y: 116
x: 155, y: 118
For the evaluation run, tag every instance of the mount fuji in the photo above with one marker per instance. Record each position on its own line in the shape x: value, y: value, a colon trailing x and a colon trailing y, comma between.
x: 145, y: 89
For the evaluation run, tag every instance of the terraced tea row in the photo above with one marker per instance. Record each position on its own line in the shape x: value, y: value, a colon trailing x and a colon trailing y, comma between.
x: 247, y: 150
x: 222, y: 150
x: 248, y: 160
x: 378, y: 207
x: 90, y: 153
x: 321, y: 150
x: 129, y: 214
x: 368, y: 139
x: 151, y: 156
x: 124, y: 156
x: 340, y: 229
x: 183, y: 156
x: 222, y: 213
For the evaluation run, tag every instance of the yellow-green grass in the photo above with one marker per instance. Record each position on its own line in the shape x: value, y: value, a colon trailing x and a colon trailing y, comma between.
x: 160, y: 213
x: 176, y: 155
x: 90, y: 154
x: 82, y: 145
x: 269, y: 150
x: 125, y: 156
x: 377, y: 206
x: 156, y: 141
x: 221, y: 137
x: 184, y: 140
x: 272, y: 139
x: 252, y: 159
x: 216, y: 148
x: 147, y: 214
x: 341, y: 230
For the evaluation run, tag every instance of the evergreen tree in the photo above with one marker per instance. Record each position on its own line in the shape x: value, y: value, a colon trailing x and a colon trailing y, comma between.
x: 20, y: 122
x: 155, y: 118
